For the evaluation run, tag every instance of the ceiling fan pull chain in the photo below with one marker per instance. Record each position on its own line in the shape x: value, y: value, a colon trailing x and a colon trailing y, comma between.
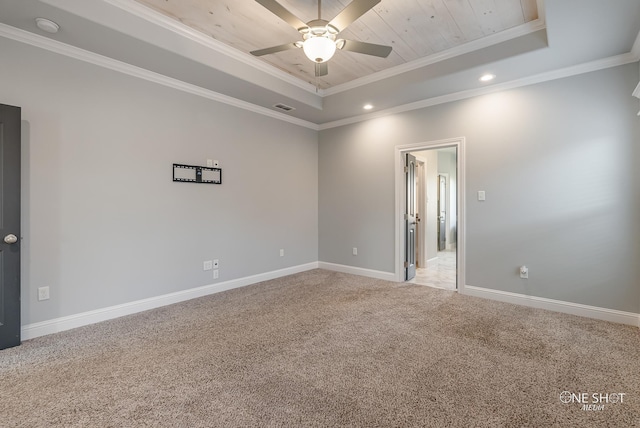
x: 319, y: 9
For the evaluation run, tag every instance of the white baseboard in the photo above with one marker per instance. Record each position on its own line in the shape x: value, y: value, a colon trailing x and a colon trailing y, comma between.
x: 388, y: 276
x: 555, y: 305
x: 57, y: 325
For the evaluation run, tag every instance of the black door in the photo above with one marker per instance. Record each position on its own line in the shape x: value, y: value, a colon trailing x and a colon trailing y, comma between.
x: 9, y: 226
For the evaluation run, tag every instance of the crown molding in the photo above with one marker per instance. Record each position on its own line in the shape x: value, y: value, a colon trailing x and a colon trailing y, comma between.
x: 157, y: 18
x: 55, y: 46
x: 109, y: 63
x: 485, y: 42
x: 183, y: 30
x: 588, y: 67
x: 635, y: 50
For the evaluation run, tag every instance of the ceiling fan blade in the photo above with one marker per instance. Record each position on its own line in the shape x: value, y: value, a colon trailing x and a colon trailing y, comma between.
x: 274, y: 49
x: 283, y: 13
x: 365, y: 48
x: 322, y: 69
x: 353, y: 11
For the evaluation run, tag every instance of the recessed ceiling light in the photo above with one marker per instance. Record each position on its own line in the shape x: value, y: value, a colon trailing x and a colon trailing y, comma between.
x: 367, y: 107
x: 47, y: 25
x: 487, y: 77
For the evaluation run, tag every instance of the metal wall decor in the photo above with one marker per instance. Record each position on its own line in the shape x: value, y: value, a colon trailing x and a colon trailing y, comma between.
x: 196, y: 174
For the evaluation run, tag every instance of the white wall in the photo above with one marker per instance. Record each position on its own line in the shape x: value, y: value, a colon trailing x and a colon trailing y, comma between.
x: 559, y: 164
x: 103, y: 223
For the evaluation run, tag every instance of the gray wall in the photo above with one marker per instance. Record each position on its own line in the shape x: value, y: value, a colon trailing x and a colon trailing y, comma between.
x: 103, y: 222
x: 447, y: 165
x: 104, y: 225
x: 558, y: 161
x: 430, y: 210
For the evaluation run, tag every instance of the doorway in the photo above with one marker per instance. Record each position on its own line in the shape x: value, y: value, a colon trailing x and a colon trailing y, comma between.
x: 430, y: 181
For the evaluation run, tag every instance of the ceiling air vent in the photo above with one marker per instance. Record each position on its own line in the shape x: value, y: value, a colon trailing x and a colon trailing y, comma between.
x: 283, y: 107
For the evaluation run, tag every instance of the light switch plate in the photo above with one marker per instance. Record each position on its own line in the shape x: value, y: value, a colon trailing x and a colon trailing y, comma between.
x: 481, y: 195
x: 43, y: 293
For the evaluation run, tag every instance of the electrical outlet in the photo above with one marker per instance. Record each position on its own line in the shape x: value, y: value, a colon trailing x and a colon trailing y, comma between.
x: 210, y: 163
x: 43, y: 293
x: 355, y: 251
x: 282, y: 253
x: 216, y: 273
x: 207, y: 265
x: 524, y: 272
x: 216, y: 263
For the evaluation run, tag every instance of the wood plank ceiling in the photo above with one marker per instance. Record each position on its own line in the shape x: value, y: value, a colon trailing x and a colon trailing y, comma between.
x: 414, y: 28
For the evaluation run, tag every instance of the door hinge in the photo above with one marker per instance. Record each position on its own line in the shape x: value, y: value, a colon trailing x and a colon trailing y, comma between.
x: 406, y: 169
x: 406, y: 265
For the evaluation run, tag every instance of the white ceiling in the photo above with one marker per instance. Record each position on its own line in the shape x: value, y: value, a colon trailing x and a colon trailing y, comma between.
x: 569, y: 36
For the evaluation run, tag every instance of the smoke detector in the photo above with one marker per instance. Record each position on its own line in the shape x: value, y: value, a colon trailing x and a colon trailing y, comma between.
x: 47, y: 25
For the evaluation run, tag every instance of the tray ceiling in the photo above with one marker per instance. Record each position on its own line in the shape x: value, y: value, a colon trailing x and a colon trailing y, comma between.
x: 414, y: 28
x: 432, y: 62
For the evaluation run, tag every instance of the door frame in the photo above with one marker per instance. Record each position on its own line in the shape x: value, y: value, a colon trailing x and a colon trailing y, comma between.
x: 421, y: 258
x: 399, y: 152
x: 410, y: 216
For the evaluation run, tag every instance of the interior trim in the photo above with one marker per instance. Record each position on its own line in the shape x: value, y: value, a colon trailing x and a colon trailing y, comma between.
x: 370, y: 273
x: 55, y: 46
x: 485, y: 42
x: 595, y: 312
x: 184, y: 31
x: 189, y: 33
x: 635, y: 50
x: 587, y: 311
x: 400, y: 203
x: 31, y: 331
x: 588, y: 67
x: 45, y: 43
x: 57, y: 325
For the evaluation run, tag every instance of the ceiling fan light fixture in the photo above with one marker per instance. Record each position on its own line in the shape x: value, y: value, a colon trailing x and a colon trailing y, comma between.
x: 319, y: 48
x: 319, y: 35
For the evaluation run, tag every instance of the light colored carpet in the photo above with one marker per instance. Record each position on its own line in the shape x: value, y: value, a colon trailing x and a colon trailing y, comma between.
x: 326, y: 349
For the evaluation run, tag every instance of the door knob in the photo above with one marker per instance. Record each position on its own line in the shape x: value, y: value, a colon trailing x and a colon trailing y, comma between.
x: 11, y: 239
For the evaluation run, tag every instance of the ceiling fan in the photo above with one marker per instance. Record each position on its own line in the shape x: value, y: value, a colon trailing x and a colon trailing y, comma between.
x: 319, y: 37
